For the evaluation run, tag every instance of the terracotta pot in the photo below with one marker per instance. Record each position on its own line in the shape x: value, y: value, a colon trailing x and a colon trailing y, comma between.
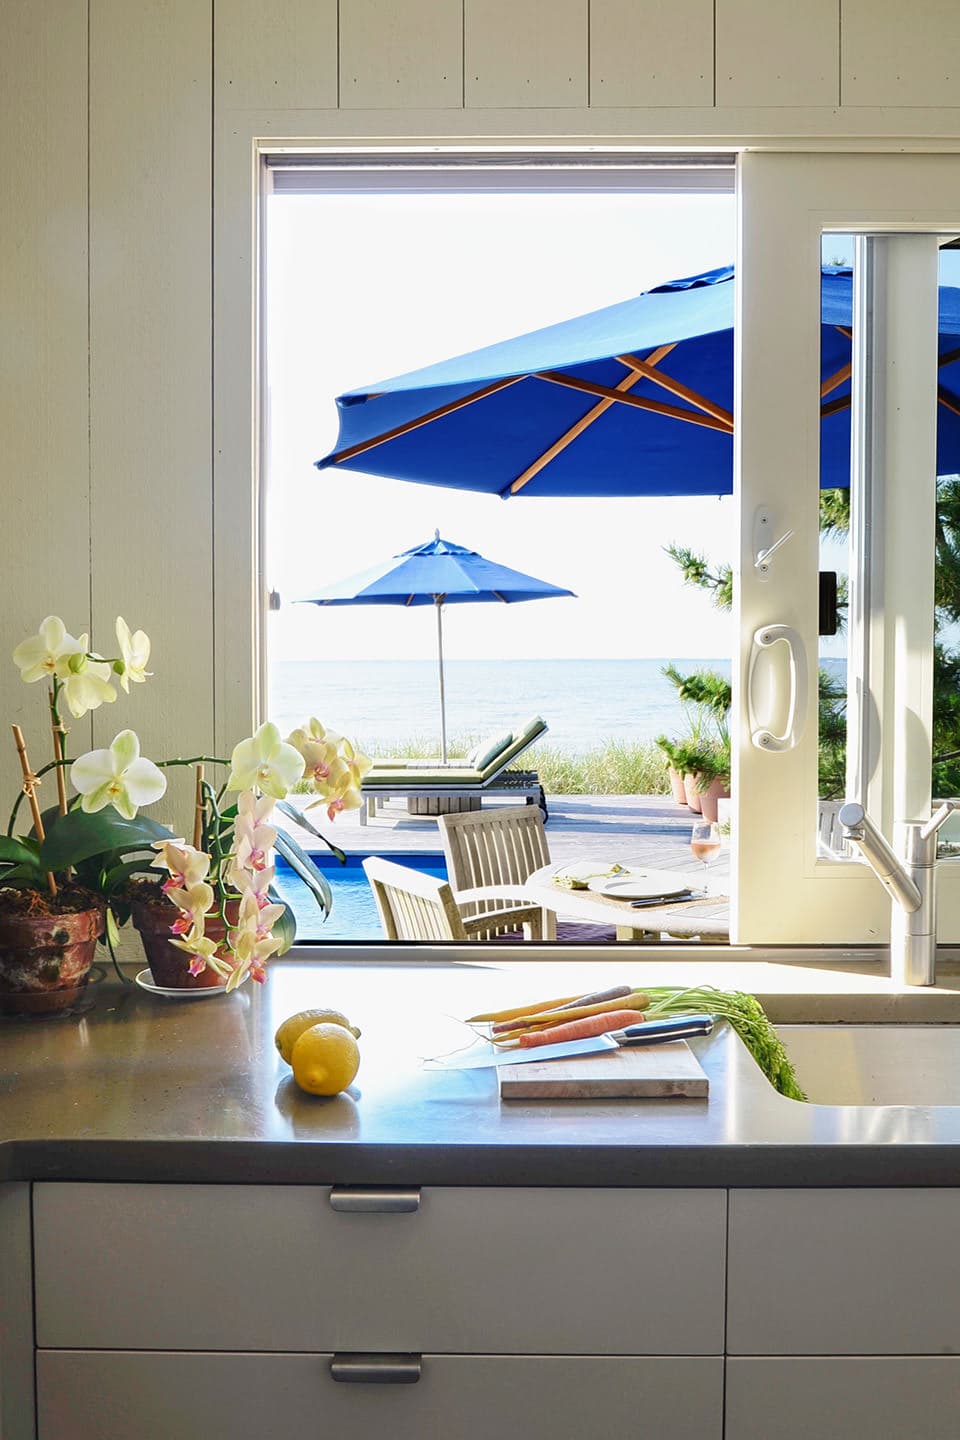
x: 692, y: 793
x: 45, y: 960
x: 710, y: 800
x: 170, y: 966
x: 677, y: 789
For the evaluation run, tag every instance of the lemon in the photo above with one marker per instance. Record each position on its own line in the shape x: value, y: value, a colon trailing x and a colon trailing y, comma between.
x: 325, y: 1059
x: 291, y: 1030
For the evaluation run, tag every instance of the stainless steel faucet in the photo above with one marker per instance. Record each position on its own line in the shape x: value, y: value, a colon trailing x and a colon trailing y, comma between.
x: 911, y: 884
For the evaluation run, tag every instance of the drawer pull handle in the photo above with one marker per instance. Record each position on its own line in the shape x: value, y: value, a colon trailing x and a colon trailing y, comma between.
x: 374, y: 1200
x: 376, y: 1369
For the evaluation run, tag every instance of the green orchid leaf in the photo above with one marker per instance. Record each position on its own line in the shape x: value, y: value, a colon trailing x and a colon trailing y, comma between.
x: 286, y: 926
x: 77, y: 836
x: 119, y: 873
x: 301, y: 864
x: 298, y: 818
x: 21, y: 852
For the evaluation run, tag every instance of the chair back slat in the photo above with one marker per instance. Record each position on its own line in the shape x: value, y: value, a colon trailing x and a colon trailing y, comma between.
x: 486, y: 848
x: 411, y: 905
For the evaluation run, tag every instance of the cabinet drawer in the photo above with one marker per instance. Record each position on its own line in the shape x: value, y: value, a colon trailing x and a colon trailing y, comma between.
x: 843, y: 1272
x: 171, y: 1267
x: 124, y: 1396
x: 856, y: 1398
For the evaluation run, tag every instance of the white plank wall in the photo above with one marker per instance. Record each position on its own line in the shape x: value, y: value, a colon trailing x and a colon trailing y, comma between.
x: 888, y: 58
x: 43, y: 349
x: 150, y: 364
x: 778, y: 53
x: 282, y: 56
x: 651, y: 52
x: 519, y: 53
x: 171, y: 80
x: 401, y: 56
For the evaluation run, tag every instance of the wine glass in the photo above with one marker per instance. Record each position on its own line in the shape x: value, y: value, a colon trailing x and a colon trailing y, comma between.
x: 705, y: 844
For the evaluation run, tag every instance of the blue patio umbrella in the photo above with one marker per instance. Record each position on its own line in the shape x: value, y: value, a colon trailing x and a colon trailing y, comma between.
x: 438, y: 573
x: 634, y: 399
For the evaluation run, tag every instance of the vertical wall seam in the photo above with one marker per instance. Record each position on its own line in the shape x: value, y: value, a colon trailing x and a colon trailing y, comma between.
x: 214, y: 675
x: 89, y: 267
x: 714, y: 101
x: 589, y: 53
x: 839, y: 52
x: 463, y: 53
x: 339, y: 68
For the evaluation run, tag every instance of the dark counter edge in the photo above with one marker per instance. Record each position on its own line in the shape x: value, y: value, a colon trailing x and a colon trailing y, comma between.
x: 657, y: 1166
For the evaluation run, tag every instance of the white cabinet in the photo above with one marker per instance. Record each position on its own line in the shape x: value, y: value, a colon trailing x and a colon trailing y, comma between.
x: 844, y: 1272
x: 276, y: 1268
x: 851, y: 1398
x: 134, y: 1396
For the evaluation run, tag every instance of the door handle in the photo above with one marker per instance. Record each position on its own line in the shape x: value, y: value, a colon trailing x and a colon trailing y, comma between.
x: 375, y: 1199
x: 358, y: 1369
x: 763, y: 639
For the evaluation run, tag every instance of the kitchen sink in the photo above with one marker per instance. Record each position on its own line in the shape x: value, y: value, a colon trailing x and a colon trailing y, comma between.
x: 876, y: 1064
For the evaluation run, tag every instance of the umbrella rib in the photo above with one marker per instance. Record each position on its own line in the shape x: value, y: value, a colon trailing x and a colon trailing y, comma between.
x: 638, y: 402
x: 582, y: 424
x: 397, y: 430
x: 676, y: 387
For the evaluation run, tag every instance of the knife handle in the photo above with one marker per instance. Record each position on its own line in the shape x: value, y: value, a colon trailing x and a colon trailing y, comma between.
x: 656, y: 1032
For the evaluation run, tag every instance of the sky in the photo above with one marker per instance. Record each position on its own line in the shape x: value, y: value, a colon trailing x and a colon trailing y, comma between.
x: 361, y: 287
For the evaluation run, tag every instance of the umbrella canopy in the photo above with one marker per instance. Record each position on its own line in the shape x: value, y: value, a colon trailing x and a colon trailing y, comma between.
x: 634, y: 399
x: 438, y: 573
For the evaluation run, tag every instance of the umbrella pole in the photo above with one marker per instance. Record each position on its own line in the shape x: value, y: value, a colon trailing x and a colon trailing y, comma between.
x: 443, y: 699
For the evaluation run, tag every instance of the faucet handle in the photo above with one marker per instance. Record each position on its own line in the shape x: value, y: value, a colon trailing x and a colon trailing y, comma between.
x: 938, y: 818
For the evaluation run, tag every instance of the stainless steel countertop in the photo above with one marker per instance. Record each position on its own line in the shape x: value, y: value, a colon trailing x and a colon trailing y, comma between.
x: 141, y: 1088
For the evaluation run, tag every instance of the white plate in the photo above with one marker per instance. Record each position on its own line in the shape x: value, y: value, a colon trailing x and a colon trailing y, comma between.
x: 641, y: 885
x: 145, y: 980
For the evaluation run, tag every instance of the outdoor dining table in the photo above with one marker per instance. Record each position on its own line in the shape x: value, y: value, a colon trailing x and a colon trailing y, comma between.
x: 707, y: 917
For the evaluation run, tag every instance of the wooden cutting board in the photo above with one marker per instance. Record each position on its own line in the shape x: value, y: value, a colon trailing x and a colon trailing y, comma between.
x: 648, y: 1072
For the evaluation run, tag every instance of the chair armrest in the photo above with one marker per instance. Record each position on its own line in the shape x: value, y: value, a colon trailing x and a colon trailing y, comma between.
x: 512, y: 894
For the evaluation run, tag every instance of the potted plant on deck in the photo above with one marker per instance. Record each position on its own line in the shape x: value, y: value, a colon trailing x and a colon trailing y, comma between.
x: 86, y: 864
x: 670, y: 750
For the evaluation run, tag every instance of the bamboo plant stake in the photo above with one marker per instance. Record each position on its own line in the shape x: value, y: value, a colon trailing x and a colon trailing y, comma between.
x: 57, y: 726
x: 30, y: 790
x: 198, y: 810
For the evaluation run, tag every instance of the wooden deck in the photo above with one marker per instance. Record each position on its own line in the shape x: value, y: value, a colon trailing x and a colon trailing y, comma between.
x: 644, y: 830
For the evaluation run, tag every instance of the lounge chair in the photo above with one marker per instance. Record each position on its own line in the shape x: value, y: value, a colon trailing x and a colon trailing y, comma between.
x: 432, y: 788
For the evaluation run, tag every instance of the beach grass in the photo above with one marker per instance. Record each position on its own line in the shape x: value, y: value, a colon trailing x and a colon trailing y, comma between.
x: 614, y: 767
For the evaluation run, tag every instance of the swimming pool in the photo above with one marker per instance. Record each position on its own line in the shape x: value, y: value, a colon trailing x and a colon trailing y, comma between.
x: 354, y: 914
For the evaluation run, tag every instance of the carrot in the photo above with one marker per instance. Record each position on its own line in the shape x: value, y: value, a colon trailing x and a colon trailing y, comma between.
x: 580, y: 1029
x: 499, y: 1015
x: 636, y: 1000
x: 616, y: 992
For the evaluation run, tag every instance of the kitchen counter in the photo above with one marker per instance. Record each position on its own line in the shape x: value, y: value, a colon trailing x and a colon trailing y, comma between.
x: 140, y: 1088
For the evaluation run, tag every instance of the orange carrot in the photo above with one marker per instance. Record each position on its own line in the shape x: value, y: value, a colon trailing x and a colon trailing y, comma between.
x: 580, y: 1029
x: 501, y: 1015
x: 636, y: 1000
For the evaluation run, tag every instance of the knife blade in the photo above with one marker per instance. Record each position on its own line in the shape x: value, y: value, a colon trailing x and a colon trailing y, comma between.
x: 650, y: 1032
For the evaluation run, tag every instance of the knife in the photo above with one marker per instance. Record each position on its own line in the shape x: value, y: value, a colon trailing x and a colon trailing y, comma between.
x: 650, y: 1032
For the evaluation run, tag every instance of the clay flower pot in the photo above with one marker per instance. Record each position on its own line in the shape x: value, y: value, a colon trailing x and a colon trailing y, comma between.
x: 710, y: 799
x: 692, y: 793
x: 45, y: 960
x: 170, y: 966
x: 677, y: 788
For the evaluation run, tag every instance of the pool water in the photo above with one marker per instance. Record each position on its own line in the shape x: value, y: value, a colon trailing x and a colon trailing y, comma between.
x: 354, y: 914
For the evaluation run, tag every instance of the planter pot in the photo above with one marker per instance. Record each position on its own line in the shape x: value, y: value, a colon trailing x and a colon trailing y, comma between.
x: 45, y: 960
x: 692, y: 793
x: 710, y: 800
x: 170, y: 966
x: 677, y: 788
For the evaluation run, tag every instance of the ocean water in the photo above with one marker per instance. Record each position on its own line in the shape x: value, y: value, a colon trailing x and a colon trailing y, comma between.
x: 383, y: 703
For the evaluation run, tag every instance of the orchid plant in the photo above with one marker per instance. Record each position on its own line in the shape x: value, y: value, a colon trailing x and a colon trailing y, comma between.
x: 98, y: 839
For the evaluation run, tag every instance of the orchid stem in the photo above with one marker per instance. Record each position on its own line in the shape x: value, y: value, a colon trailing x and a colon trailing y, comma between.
x: 39, y: 774
x: 59, y: 735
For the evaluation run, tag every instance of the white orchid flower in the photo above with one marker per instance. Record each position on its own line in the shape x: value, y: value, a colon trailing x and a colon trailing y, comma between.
x: 265, y: 761
x: 193, y: 902
x: 135, y: 654
x: 45, y: 654
x: 255, y: 918
x: 202, y: 952
x: 186, y: 865
x: 86, y: 682
x: 120, y: 777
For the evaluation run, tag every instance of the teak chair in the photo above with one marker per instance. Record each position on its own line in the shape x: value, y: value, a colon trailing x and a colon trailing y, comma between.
x: 497, y: 849
x: 414, y: 906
